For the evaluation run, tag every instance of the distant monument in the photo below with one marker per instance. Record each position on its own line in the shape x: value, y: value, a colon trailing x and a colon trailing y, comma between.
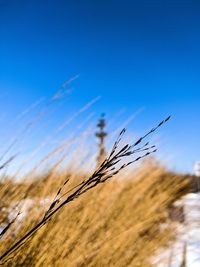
x: 101, y: 135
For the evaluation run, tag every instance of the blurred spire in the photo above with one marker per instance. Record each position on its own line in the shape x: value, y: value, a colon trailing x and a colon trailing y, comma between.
x: 101, y: 135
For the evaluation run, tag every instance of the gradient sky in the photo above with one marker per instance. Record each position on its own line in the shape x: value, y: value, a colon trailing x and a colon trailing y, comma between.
x: 133, y: 53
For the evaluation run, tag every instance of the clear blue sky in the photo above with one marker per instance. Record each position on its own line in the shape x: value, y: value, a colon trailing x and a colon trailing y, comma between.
x: 133, y: 53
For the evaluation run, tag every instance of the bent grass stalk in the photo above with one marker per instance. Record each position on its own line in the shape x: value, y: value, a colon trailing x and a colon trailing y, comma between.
x: 105, y: 171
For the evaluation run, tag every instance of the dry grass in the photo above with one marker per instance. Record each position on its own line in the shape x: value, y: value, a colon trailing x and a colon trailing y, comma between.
x: 116, y: 224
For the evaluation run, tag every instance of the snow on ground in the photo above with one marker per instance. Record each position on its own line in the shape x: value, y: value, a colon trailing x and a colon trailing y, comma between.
x: 188, y: 236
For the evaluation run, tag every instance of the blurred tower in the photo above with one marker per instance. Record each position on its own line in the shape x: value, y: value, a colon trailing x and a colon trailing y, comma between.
x: 101, y: 135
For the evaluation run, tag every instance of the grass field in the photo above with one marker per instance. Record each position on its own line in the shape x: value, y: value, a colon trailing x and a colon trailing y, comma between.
x: 71, y: 212
x: 118, y: 223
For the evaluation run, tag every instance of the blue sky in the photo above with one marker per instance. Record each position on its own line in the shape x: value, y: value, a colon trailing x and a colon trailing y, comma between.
x: 134, y: 54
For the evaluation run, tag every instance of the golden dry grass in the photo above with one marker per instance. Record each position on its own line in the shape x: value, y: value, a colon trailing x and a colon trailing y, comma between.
x: 115, y: 224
